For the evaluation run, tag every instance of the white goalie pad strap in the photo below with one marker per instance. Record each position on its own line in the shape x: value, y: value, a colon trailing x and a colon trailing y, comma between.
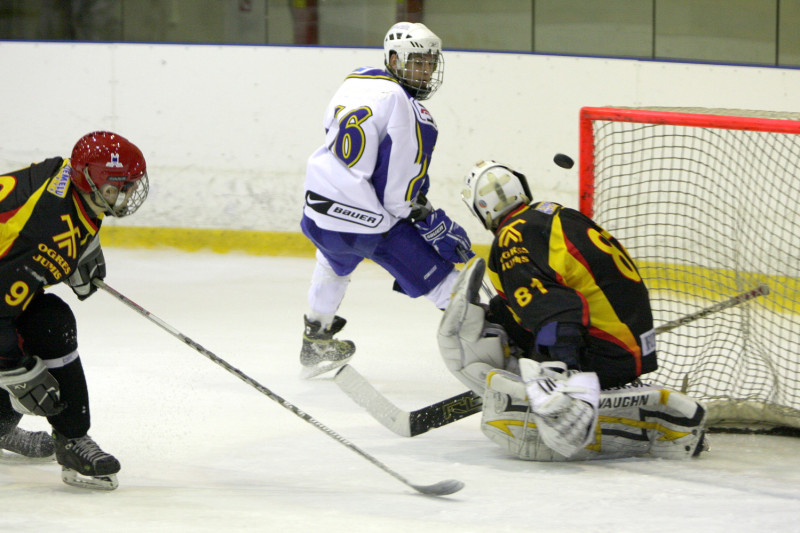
x: 507, y: 383
x: 466, y: 350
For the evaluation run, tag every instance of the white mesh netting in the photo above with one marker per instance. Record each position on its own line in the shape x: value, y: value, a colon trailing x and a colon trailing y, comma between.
x: 710, y: 211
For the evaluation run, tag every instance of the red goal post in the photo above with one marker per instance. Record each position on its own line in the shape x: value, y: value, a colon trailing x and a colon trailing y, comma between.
x: 708, y: 203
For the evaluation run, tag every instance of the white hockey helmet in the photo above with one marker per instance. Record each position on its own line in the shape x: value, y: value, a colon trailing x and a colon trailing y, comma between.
x: 492, y: 190
x: 405, y: 39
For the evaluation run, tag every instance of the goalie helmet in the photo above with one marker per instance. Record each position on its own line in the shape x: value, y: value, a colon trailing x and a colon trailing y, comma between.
x: 112, y: 170
x: 493, y: 190
x: 420, y: 63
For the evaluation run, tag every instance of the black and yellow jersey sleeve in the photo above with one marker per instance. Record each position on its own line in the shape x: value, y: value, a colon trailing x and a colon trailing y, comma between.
x: 44, y: 228
x: 553, y: 264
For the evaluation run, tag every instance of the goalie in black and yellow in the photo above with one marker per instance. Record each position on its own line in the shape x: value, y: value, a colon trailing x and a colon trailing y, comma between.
x: 51, y: 213
x: 558, y: 352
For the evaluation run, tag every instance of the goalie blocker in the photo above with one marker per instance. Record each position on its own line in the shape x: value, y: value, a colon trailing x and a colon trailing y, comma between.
x: 550, y: 414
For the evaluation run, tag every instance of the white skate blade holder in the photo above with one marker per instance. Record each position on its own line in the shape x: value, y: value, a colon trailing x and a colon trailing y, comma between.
x: 75, y: 479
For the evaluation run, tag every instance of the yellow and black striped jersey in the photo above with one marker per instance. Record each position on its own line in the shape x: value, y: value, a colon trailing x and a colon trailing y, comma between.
x: 553, y: 264
x: 44, y: 228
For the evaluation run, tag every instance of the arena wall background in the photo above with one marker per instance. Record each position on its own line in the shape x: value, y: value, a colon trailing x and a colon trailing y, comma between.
x: 226, y: 130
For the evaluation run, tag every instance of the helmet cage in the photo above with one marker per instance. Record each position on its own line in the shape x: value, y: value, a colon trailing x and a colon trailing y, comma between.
x: 420, y: 63
x: 493, y: 190
x: 119, y: 197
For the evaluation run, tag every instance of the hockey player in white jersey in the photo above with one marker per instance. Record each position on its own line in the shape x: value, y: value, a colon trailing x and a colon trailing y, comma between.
x: 366, y: 187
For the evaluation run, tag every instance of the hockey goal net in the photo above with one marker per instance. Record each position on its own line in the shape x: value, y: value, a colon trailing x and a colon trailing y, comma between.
x: 708, y: 203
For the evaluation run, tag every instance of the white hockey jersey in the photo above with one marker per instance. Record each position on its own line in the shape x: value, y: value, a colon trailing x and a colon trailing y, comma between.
x: 378, y: 145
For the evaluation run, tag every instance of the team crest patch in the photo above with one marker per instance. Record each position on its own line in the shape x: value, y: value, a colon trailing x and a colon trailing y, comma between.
x: 547, y: 207
x: 60, y: 184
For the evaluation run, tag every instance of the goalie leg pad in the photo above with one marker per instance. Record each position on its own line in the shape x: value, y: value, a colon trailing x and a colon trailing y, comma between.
x: 469, y: 346
x: 634, y: 420
x: 641, y: 418
x: 508, y: 423
x: 680, y: 422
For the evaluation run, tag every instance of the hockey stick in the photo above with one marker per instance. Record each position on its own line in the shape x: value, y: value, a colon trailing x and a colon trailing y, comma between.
x: 441, y: 488
x: 740, y: 298
x: 413, y: 423
x: 405, y: 423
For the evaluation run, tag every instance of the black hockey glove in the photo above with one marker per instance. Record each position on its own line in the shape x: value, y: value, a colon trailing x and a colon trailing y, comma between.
x: 33, y: 390
x: 91, y: 265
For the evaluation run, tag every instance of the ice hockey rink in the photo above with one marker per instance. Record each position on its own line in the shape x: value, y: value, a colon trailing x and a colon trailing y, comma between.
x: 203, y: 451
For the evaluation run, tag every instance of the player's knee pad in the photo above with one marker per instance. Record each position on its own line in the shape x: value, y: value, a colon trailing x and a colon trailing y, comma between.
x: 48, y: 328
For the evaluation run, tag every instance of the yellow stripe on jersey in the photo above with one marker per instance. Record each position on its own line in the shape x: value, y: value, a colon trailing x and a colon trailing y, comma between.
x: 10, y: 230
x: 370, y: 77
x: 577, y: 276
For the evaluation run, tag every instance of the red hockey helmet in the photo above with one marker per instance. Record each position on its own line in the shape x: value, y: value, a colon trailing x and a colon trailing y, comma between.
x: 102, y: 160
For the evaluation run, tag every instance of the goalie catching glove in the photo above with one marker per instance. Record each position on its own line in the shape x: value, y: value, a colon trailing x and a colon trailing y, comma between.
x: 564, y: 406
x: 91, y: 265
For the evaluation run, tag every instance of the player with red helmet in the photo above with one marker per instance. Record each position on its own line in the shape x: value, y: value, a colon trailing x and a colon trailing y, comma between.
x: 50, y: 216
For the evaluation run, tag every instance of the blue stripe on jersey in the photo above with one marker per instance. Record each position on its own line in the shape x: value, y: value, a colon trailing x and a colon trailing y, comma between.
x: 379, y: 176
x: 371, y: 73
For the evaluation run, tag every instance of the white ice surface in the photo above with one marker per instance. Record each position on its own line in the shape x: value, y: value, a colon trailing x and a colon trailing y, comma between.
x: 203, y: 451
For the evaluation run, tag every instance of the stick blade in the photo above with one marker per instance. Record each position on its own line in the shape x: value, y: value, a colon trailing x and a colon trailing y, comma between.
x: 443, y: 488
x: 364, y: 394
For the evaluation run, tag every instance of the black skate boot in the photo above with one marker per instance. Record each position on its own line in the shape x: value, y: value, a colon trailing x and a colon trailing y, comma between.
x: 84, y: 464
x: 321, y: 352
x: 26, y: 445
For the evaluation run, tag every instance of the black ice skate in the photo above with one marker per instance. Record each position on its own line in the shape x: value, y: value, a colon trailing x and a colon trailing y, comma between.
x: 26, y: 446
x: 321, y: 352
x: 84, y: 464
